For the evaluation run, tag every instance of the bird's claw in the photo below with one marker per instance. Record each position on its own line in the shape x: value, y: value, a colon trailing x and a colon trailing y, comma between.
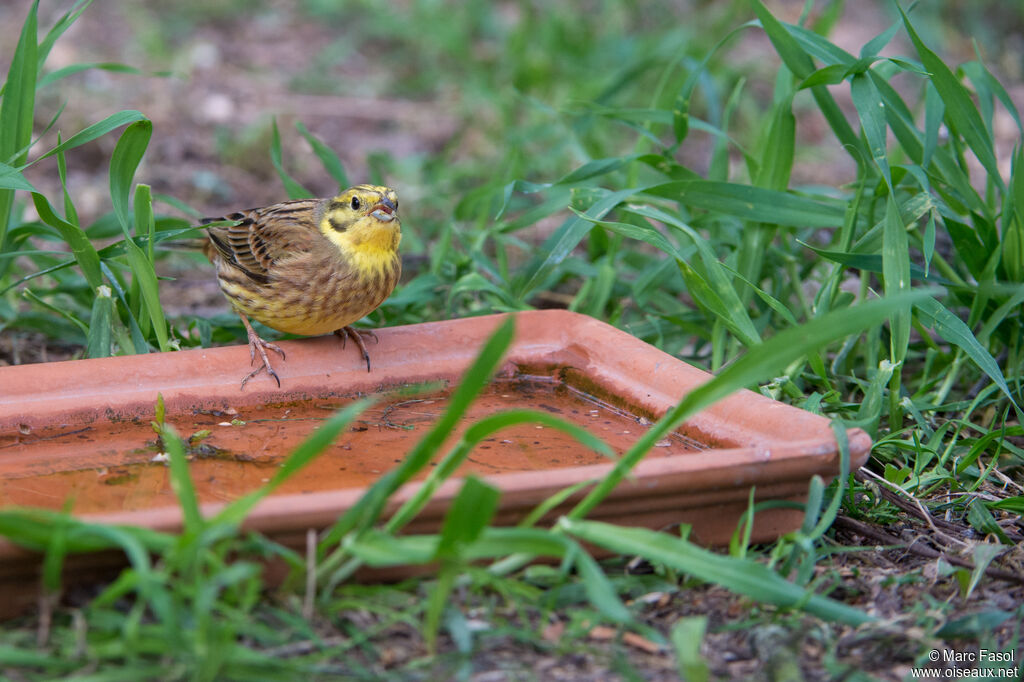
x: 258, y: 344
x: 357, y: 336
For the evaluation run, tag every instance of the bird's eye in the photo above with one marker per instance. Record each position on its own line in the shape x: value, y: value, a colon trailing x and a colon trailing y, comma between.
x: 355, y: 203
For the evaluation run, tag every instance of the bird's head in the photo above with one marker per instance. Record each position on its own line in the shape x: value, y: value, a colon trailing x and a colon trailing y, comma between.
x: 363, y: 218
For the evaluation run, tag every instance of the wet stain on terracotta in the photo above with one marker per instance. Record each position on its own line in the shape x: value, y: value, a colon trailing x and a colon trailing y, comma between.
x: 109, y: 466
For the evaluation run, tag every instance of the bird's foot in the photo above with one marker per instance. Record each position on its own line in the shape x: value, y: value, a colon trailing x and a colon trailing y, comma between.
x: 357, y: 335
x: 258, y: 345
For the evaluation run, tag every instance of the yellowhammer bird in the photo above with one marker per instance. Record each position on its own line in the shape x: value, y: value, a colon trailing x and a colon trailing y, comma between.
x: 309, y: 266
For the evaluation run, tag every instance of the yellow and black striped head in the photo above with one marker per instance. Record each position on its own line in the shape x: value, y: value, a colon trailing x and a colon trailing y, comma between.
x: 356, y: 204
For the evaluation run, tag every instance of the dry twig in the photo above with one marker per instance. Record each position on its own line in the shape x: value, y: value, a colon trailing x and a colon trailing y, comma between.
x: 880, y: 536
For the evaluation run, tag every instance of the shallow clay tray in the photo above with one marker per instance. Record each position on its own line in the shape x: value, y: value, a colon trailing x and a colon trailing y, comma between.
x: 81, y: 430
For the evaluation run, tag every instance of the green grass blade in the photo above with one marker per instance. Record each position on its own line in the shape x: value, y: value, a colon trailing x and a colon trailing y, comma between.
x: 896, y: 269
x: 292, y: 186
x: 817, y: 47
x: 98, y: 341
x: 681, y: 109
x: 12, y: 179
x: 687, y: 635
x: 952, y: 329
x: 123, y: 163
x: 32, y: 296
x: 743, y: 576
x: 708, y: 280
x: 776, y: 159
x: 16, y: 109
x: 644, y: 233
x: 376, y: 548
x: 1013, y: 221
x: 722, y: 306
x: 96, y: 130
x: 18, y: 103
x: 753, y: 203
x: 599, y: 589
x: 181, y: 480
x: 366, y: 512
x: 797, y: 45
x: 70, y: 212
x: 564, y: 240
x: 32, y: 528
x: 829, y: 516
x: 872, y: 119
x: 934, y: 111
x: 875, y: 45
x: 72, y: 69
x: 961, y: 113
x: 471, y: 511
x: 137, y: 342
x: 986, y: 83
x: 873, y: 262
x: 473, y: 435
x: 58, y: 29
x: 56, y: 551
x: 117, y: 249
x: 142, y: 265
x: 332, y: 164
x: 85, y: 253
x: 235, y: 512
x: 793, y: 55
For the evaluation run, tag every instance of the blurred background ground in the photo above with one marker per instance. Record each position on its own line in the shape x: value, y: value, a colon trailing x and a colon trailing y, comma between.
x: 434, y: 102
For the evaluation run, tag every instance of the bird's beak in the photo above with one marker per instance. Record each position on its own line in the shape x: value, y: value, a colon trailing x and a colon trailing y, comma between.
x: 384, y: 211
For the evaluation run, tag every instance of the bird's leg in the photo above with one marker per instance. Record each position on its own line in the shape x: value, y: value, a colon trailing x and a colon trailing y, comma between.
x: 258, y: 344
x: 357, y: 336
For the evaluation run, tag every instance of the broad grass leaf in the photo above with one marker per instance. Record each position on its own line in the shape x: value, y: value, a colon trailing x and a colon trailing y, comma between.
x: 961, y: 113
x: 599, y: 589
x: 747, y: 202
x: 953, y: 329
x: 707, y: 279
x: 85, y: 253
x: 18, y: 103
x: 777, y: 156
x: 687, y: 635
x: 870, y: 109
x: 12, y: 179
x: 142, y: 266
x: 70, y: 70
x: 123, y: 163
x: 793, y: 55
x: 896, y: 269
x: 742, y: 576
x: 17, y: 109
x: 292, y: 186
x: 98, y: 340
x: 181, y: 480
x: 471, y: 511
x: 96, y: 130
x: 58, y: 29
x: 332, y: 164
